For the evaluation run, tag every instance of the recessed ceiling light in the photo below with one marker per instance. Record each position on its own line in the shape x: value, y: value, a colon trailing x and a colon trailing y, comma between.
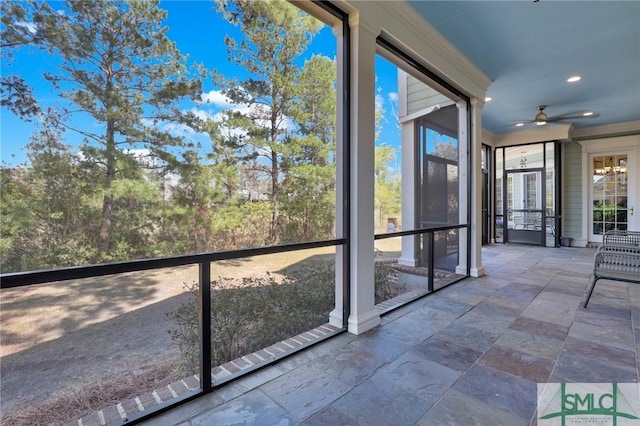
x: 587, y: 114
x: 574, y: 79
x: 540, y: 123
x: 519, y: 124
x: 488, y: 98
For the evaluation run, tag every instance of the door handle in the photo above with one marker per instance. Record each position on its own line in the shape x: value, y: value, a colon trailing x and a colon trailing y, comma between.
x: 631, y: 210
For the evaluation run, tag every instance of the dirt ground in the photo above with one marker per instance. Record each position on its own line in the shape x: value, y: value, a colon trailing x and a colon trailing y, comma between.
x: 59, y: 337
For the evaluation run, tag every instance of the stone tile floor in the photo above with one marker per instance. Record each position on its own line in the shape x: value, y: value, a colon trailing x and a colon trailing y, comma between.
x: 470, y: 354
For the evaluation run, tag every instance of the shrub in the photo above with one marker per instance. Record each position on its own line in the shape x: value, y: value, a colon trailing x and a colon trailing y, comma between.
x: 386, y: 282
x: 252, y: 313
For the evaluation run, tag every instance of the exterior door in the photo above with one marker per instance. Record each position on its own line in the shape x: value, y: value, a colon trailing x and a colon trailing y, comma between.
x: 613, y: 194
x: 525, y: 207
x: 485, y: 207
x: 485, y: 153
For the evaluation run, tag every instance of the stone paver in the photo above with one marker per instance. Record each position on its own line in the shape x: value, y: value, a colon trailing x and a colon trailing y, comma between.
x: 421, y: 377
x: 305, y: 391
x: 376, y: 402
x: 504, y: 391
x: 328, y: 416
x: 459, y: 409
x: 530, y: 367
x: 540, y: 328
x: 251, y: 408
x: 448, y: 354
x: 469, y: 337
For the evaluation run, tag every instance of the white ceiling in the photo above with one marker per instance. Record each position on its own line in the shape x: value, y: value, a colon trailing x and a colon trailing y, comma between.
x: 529, y: 49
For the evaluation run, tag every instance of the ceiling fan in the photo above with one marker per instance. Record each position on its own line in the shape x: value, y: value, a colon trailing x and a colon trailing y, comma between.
x: 542, y: 118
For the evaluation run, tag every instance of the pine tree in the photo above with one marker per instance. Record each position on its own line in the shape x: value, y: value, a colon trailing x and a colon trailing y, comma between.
x: 276, y: 34
x: 309, y: 182
x: 119, y: 68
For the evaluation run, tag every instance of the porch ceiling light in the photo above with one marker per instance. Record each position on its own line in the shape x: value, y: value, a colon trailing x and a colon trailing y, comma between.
x: 574, y: 79
x: 488, y: 99
x: 519, y: 124
x: 541, y: 117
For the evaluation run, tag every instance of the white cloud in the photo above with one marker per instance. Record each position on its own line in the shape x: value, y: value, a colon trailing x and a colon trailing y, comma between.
x: 175, y: 129
x: 138, y: 152
x: 288, y: 123
x: 147, y: 122
x: 142, y: 156
x: 202, y: 114
x: 217, y: 98
x: 178, y: 129
x: 393, y: 97
x: 221, y: 102
x: 30, y: 26
x: 233, y: 131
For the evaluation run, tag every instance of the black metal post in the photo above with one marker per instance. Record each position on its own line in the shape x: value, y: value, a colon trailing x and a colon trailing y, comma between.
x: 432, y: 261
x: 204, y: 316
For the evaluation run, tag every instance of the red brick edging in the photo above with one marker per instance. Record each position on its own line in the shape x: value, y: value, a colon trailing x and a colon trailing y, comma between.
x: 120, y: 412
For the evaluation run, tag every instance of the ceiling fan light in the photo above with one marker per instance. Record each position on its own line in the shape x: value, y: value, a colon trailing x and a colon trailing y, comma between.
x: 541, y: 118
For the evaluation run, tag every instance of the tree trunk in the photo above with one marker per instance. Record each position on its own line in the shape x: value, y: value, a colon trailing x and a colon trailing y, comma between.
x: 104, y: 236
x: 275, y: 217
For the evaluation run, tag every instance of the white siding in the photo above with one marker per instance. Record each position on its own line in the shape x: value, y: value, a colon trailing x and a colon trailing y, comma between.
x: 421, y: 96
x: 572, y: 191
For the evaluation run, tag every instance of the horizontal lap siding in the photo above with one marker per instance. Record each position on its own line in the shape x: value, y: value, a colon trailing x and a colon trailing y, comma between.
x: 421, y: 96
x: 572, y: 191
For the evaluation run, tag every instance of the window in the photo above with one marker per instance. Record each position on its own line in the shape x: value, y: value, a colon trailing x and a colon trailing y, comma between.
x: 610, y: 193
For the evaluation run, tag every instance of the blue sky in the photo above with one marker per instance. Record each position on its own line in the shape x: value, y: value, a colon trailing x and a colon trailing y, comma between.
x: 199, y: 31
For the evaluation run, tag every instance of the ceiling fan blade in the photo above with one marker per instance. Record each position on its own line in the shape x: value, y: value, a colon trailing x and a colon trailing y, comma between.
x: 542, y: 118
x: 572, y: 116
